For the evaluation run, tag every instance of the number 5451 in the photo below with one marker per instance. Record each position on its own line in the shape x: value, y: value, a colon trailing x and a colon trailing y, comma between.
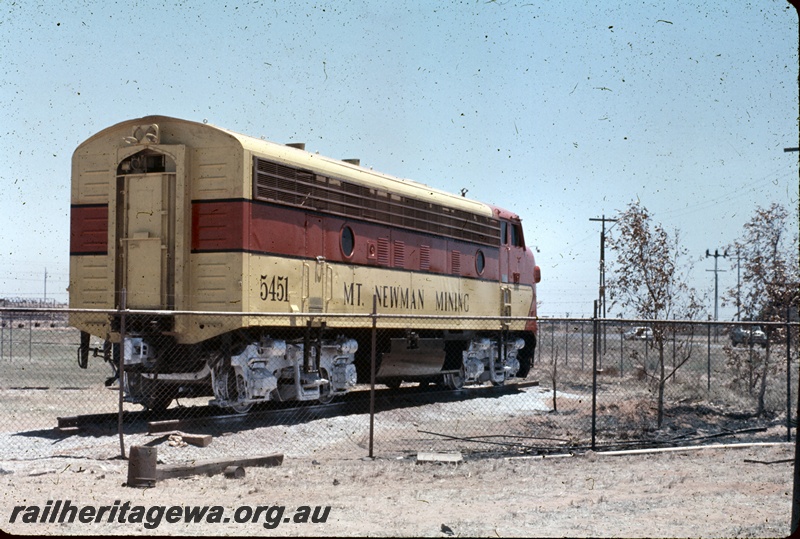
x: 275, y: 288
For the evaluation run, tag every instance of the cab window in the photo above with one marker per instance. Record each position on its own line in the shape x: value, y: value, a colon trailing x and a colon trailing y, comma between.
x: 511, y: 234
x: 514, y: 235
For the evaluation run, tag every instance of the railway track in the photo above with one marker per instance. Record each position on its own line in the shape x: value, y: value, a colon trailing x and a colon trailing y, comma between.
x: 210, y: 418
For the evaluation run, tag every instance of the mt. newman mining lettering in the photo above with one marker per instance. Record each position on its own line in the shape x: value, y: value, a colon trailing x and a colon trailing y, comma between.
x: 398, y: 297
x: 406, y: 298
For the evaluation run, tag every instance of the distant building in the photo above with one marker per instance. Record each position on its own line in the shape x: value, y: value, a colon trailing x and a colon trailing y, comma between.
x: 34, y: 313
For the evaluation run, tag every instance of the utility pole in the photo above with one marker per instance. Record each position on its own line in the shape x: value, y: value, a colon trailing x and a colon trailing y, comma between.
x: 716, y: 256
x: 602, y: 294
x: 795, y: 523
x: 738, y: 286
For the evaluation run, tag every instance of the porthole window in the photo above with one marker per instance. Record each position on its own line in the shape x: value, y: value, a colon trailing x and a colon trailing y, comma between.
x: 348, y: 241
x: 480, y: 262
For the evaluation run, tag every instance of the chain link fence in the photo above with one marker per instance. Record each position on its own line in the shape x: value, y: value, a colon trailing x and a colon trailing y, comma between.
x: 307, y: 388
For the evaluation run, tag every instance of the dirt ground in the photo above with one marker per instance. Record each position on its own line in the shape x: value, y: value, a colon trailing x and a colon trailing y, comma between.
x: 711, y: 492
x: 717, y: 491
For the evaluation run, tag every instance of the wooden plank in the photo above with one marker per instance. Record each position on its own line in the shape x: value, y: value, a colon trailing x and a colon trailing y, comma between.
x: 160, y: 427
x: 215, y: 466
x: 68, y: 422
x: 439, y: 457
x: 199, y: 440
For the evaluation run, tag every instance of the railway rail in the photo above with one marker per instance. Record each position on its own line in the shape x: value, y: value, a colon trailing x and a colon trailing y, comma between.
x: 211, y: 418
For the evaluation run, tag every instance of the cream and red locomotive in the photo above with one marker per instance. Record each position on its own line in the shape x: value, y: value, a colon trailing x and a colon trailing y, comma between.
x: 197, y: 231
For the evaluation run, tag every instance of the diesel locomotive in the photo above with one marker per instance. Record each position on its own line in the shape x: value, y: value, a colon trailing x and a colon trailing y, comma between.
x: 194, y: 232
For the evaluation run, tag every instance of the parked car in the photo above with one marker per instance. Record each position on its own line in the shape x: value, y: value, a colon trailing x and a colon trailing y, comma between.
x: 748, y: 335
x: 639, y: 333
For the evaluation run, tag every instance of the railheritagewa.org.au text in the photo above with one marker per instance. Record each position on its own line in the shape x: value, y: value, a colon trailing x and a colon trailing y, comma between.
x: 151, y: 517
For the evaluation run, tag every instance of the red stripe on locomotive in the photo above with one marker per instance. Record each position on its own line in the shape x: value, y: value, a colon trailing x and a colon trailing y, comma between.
x: 218, y: 226
x: 246, y: 226
x: 88, y: 230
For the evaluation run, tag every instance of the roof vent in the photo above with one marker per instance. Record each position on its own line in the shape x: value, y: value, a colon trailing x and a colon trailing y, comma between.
x: 298, y: 145
x: 356, y: 162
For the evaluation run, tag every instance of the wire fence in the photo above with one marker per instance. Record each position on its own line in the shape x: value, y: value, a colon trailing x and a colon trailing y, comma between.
x: 349, y: 386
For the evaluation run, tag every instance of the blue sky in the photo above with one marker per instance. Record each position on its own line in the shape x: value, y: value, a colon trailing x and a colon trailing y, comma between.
x: 559, y: 111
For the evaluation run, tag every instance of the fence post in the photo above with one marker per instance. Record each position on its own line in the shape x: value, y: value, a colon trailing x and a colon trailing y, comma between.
x: 372, y: 373
x: 539, y: 342
x: 621, y: 352
x: 796, y: 482
x: 594, y: 376
x: 583, y: 330
x: 788, y: 377
x: 121, y: 369
x: 566, y: 342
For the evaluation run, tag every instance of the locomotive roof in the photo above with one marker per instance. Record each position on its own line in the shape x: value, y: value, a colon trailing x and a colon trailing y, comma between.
x: 344, y: 170
x: 328, y: 166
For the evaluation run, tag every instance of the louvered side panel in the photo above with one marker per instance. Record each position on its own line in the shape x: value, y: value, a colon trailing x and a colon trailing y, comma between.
x: 383, y: 251
x: 91, y: 282
x: 217, y: 282
x: 455, y: 262
x: 399, y: 254
x: 216, y: 174
x: 273, y: 182
x: 425, y: 257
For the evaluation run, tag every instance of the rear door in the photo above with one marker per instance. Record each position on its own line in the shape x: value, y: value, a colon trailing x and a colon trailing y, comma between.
x: 147, y: 243
x: 150, y: 225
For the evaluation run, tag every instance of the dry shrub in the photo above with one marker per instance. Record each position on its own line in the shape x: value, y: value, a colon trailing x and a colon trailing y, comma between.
x: 639, y: 372
x: 608, y: 371
x: 572, y: 405
x: 635, y: 414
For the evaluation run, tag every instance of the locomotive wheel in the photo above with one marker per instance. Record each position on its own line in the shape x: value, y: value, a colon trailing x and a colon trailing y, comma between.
x: 524, y: 367
x: 150, y: 394
x: 158, y: 402
x: 525, y: 357
x: 454, y: 380
x: 230, y: 385
x: 241, y: 408
x: 234, y: 385
x: 325, y: 393
x: 393, y: 383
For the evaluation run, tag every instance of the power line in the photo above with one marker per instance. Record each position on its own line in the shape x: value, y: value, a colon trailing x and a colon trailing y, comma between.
x: 754, y: 186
